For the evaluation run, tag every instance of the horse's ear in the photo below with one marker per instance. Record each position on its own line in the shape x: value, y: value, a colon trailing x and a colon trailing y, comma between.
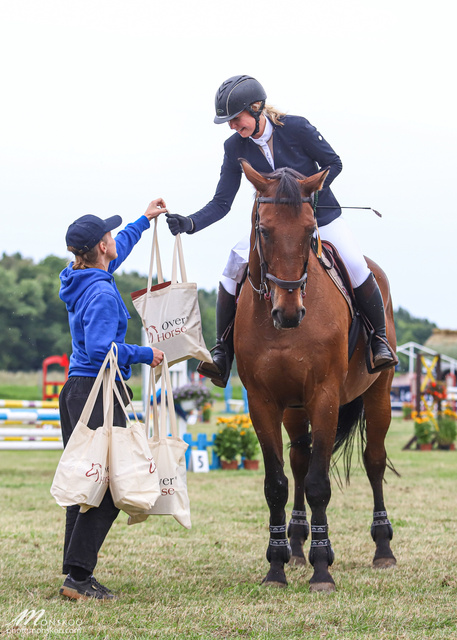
x: 314, y: 183
x: 259, y: 182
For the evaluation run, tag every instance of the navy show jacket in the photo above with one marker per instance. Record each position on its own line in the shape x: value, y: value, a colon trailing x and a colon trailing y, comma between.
x: 297, y: 145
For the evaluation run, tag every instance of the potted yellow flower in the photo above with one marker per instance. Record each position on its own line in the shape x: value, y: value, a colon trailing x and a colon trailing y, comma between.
x: 227, y: 443
x: 250, y: 447
x: 447, y: 431
x: 424, y: 429
x: 237, y: 437
x: 407, y: 409
x: 206, y: 412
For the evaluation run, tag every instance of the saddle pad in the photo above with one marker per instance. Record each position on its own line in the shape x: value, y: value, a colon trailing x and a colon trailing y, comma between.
x: 334, y: 266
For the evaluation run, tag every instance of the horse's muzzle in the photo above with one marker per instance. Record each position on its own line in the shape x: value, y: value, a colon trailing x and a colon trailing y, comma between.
x: 283, y: 321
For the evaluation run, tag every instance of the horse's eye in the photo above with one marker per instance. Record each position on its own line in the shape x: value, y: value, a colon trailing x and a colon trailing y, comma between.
x: 265, y: 233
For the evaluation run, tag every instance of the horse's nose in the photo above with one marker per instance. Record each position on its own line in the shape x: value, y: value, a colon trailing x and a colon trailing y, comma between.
x: 283, y: 321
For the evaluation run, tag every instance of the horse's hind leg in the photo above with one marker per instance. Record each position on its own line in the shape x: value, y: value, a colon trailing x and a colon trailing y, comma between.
x: 297, y: 427
x: 378, y: 416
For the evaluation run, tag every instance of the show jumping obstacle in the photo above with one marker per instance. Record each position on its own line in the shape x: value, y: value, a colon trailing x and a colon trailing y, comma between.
x: 32, y: 425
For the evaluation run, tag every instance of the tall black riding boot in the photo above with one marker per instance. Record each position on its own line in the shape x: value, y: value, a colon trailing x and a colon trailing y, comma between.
x: 223, y: 352
x: 369, y: 300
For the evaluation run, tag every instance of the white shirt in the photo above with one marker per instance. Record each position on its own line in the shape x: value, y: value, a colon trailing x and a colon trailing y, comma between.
x: 263, y: 140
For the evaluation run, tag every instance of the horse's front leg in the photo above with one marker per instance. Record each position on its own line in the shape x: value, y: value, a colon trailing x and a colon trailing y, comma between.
x: 267, y: 423
x: 297, y: 427
x: 318, y: 493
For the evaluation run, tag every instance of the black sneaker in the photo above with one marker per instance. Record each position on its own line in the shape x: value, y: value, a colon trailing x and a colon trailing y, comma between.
x: 89, y: 588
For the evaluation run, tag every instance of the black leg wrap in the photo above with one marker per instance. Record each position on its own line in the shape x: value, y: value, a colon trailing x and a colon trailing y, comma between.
x: 279, y: 548
x: 320, y: 544
x: 299, y: 519
x: 379, y: 519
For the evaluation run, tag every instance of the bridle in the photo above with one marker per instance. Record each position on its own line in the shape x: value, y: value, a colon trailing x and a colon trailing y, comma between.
x: 289, y: 285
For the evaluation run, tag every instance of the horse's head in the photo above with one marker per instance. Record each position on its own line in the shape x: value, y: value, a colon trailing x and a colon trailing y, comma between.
x: 283, y: 225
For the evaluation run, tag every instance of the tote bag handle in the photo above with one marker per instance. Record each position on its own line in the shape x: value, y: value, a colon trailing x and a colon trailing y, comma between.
x: 114, y: 367
x: 155, y: 252
x: 102, y: 377
x: 160, y: 430
x: 178, y: 255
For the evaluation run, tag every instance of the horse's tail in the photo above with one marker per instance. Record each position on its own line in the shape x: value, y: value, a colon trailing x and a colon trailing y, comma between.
x: 351, y: 425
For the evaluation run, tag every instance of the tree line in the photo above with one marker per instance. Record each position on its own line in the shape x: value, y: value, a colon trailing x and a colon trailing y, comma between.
x: 34, y: 324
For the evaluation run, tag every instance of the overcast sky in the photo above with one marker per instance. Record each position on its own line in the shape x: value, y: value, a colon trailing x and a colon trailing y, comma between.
x: 107, y: 104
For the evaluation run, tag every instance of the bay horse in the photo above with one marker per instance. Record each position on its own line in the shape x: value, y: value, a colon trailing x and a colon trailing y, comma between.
x: 295, y: 369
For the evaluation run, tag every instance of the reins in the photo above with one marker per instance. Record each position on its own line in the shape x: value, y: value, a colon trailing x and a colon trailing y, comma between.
x: 265, y: 275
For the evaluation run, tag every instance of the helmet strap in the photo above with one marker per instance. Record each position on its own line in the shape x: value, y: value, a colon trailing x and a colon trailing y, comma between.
x: 256, y: 115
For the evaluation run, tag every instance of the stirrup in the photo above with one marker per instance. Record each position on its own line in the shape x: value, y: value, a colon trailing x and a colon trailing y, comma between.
x: 386, y: 364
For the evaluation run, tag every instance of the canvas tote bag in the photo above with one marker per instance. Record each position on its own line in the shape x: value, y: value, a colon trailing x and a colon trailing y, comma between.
x: 81, y: 476
x: 133, y: 476
x: 169, y: 310
x: 169, y: 455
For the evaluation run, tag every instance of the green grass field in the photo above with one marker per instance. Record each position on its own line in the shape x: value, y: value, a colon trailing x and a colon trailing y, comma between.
x: 205, y: 583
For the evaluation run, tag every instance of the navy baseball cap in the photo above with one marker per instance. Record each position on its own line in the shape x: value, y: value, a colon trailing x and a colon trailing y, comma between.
x: 86, y: 231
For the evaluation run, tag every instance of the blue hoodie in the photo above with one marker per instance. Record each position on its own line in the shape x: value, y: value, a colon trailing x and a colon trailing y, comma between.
x: 97, y: 314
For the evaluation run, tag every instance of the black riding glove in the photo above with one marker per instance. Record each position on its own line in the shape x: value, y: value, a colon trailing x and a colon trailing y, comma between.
x: 179, y: 224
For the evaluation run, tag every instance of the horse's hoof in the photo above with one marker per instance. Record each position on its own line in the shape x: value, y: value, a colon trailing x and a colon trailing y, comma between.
x: 384, y: 563
x: 297, y: 561
x: 326, y: 587
x: 274, y: 584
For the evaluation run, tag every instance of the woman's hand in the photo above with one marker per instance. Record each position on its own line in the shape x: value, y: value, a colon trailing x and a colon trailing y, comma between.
x: 155, y: 208
x: 179, y: 224
x: 157, y: 357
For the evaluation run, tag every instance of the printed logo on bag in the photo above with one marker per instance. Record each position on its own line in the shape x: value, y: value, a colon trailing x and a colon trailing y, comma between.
x: 166, y: 485
x: 152, y: 466
x: 96, y: 472
x: 168, y: 329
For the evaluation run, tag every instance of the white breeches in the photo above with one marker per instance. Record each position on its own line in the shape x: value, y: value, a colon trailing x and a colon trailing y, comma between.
x: 337, y: 232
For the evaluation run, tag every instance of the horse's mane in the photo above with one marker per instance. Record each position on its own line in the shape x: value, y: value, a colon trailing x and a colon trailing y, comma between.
x: 288, y: 186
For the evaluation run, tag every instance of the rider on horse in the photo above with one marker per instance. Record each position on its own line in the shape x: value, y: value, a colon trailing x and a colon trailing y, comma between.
x: 269, y: 140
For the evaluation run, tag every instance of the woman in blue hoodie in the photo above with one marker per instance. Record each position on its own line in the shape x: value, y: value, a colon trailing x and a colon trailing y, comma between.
x: 98, y: 317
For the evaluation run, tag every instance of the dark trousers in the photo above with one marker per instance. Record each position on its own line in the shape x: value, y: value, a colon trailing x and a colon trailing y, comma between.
x: 85, y: 532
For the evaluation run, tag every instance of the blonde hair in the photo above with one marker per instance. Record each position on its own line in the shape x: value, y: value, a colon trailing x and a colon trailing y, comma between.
x: 86, y: 260
x: 270, y: 112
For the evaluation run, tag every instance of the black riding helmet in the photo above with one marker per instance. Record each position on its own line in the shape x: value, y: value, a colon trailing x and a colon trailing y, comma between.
x: 236, y: 95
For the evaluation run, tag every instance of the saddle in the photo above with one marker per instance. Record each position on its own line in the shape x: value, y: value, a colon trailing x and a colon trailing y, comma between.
x: 331, y: 261
x: 333, y: 264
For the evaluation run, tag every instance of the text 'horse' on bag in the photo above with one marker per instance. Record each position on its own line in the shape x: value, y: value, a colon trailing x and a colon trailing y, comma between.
x: 169, y: 310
